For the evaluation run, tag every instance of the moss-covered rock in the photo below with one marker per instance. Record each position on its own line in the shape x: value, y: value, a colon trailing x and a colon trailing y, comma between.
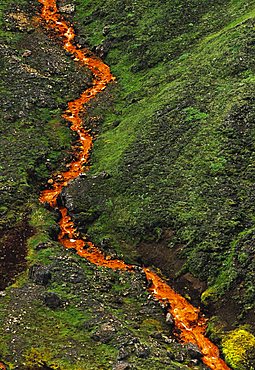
x: 238, y: 347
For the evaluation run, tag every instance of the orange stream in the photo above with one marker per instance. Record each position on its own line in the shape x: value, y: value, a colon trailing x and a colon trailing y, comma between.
x: 2, y: 366
x: 189, y: 323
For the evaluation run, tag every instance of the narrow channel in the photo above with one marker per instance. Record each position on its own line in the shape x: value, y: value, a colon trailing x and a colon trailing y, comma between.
x: 188, y: 320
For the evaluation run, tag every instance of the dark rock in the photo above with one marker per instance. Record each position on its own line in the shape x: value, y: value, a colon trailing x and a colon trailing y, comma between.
x: 81, y: 40
x: 104, y: 175
x: 105, y: 333
x: 104, y: 244
x: 106, y: 30
x: 39, y: 274
x: 75, y: 279
x: 102, y: 49
x: 157, y: 335
x: 171, y: 355
x: 133, y: 341
x: 142, y: 351
x: 72, y: 250
x: 193, y: 351
x: 52, y: 300
x: 116, y: 123
x: 179, y: 357
x: 123, y: 353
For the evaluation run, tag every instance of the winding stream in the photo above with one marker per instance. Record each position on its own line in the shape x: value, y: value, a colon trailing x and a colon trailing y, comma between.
x: 188, y: 320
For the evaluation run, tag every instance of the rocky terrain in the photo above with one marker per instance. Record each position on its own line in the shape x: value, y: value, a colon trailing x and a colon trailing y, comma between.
x: 171, y: 183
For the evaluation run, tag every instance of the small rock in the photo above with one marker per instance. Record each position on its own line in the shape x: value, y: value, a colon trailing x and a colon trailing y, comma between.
x: 104, y: 244
x: 156, y: 335
x: 105, y: 333
x: 72, y: 250
x: 52, y: 300
x: 116, y: 123
x: 41, y: 246
x: 68, y: 9
x: 104, y: 175
x: 102, y: 49
x: 133, y: 341
x: 169, y: 318
x: 39, y: 274
x: 123, y: 354
x: 171, y: 355
x: 121, y: 366
x: 193, y: 351
x: 142, y: 351
x: 106, y: 30
x: 27, y: 53
x: 179, y: 357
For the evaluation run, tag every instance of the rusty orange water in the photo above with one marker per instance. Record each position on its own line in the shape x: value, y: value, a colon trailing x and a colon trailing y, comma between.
x: 2, y: 366
x: 188, y: 320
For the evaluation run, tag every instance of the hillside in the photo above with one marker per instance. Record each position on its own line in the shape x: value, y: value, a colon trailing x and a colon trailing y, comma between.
x: 170, y: 184
x: 177, y: 144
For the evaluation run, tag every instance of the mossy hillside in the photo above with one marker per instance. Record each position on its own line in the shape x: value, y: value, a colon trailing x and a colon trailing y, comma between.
x: 5, y: 33
x: 104, y: 315
x: 35, y: 140
x: 73, y: 336
x: 33, y: 94
x: 179, y: 144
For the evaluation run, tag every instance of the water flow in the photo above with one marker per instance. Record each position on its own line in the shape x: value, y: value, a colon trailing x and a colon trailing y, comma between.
x: 189, y: 322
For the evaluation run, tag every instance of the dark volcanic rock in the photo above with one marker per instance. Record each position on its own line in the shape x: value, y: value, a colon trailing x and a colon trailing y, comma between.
x: 39, y: 274
x: 52, y: 300
x: 194, y: 351
x: 142, y: 351
x: 123, y: 353
x: 105, y: 333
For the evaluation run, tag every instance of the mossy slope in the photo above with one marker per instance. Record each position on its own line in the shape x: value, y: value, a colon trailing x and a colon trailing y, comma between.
x: 34, y: 141
x: 179, y: 145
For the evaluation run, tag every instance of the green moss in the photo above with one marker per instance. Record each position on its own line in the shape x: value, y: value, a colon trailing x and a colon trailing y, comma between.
x: 178, y: 140
x: 237, y: 346
x: 36, y: 357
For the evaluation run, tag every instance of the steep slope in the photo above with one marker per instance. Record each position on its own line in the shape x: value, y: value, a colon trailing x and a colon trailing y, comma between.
x: 36, y: 80
x: 44, y: 329
x: 173, y: 169
x: 178, y: 147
